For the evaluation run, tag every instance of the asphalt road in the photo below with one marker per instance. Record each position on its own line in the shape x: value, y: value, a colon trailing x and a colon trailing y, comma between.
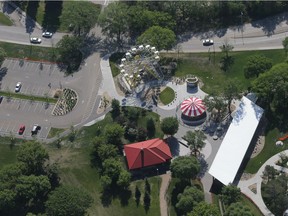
x: 20, y: 36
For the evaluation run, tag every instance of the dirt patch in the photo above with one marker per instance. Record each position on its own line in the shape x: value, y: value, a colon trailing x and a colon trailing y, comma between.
x: 259, y: 146
x: 253, y: 188
x: 246, y: 176
x: 105, y: 102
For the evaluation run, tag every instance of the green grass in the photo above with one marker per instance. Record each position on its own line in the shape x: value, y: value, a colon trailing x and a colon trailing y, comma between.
x: 5, y: 20
x: 55, y: 131
x: 27, y: 97
x: 209, y: 72
x: 167, y: 95
x: 7, y: 154
x: 114, y: 60
x: 29, y: 51
x: 268, y: 151
x: 76, y: 170
x: 114, y: 69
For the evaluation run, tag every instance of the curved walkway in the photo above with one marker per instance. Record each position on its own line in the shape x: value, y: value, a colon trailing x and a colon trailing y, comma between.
x: 162, y: 195
x: 257, y: 179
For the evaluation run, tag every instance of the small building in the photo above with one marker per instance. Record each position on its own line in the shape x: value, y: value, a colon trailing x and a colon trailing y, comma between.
x: 147, y: 153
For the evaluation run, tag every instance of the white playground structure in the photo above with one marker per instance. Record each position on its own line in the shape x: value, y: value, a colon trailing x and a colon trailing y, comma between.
x: 139, y: 66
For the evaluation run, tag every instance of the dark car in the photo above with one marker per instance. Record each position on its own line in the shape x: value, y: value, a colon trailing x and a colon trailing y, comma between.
x: 35, y: 129
x: 1, y: 98
x: 208, y: 42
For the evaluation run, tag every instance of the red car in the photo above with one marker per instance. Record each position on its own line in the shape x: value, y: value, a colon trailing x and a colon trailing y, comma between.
x: 21, y: 129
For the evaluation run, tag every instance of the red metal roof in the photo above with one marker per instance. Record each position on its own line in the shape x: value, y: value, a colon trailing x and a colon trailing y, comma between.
x: 147, y: 153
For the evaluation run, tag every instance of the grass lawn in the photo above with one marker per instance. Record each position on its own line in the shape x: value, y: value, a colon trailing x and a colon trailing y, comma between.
x: 209, y: 72
x: 167, y: 95
x: 55, y: 131
x: 5, y: 20
x: 114, y: 60
x: 29, y: 51
x: 268, y: 151
x: 27, y: 97
x: 7, y: 154
x: 76, y: 170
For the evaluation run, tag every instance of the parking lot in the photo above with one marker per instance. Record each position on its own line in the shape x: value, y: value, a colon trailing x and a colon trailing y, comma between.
x: 37, y: 79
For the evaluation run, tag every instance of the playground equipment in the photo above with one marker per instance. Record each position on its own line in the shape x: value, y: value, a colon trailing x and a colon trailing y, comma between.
x: 283, y: 138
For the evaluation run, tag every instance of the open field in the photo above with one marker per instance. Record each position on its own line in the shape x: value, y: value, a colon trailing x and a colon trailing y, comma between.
x: 167, y: 95
x: 5, y: 20
x: 209, y: 72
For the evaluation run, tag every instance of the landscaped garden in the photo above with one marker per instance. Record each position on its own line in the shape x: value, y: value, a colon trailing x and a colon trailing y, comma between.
x: 167, y: 95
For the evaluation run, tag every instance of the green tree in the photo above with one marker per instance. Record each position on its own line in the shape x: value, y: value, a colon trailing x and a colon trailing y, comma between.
x: 69, y: 52
x: 80, y: 16
x: 187, y: 200
x: 106, y: 151
x: 230, y: 194
x: 151, y: 129
x: 271, y: 88
x: 195, y: 140
x: 115, y: 108
x: 114, y: 133
x: 124, y: 179
x: 227, y: 60
x: 114, y: 20
x: 112, y: 168
x: 270, y: 173
x: 256, y: 65
x: 33, y: 155
x: 161, y: 38
x: 106, y: 181
x: 238, y: 209
x: 226, y: 48
x: 285, y: 45
x: 169, y: 125
x: 185, y: 167
x: 32, y: 188
x: 231, y: 91
x: 205, y: 209
x: 2, y: 55
x: 68, y: 200
x: 216, y: 103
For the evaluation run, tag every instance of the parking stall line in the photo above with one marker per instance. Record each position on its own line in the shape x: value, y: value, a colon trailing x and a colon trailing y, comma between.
x: 36, y: 107
x: 2, y: 125
x: 29, y: 106
x: 7, y: 128
x: 8, y: 66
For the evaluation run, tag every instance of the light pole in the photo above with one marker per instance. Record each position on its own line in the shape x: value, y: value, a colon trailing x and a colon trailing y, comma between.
x: 242, y: 26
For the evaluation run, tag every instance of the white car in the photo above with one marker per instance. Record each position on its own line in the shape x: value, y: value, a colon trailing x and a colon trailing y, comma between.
x: 35, y: 129
x: 35, y: 40
x: 18, y: 87
x: 47, y: 34
x: 208, y: 42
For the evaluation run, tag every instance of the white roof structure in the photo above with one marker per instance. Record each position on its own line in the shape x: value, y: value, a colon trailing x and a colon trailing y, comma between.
x: 236, y: 142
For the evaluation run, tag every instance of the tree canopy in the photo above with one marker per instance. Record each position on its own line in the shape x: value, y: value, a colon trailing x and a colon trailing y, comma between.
x: 69, y: 52
x: 195, y: 140
x: 68, y: 200
x: 205, y: 209
x: 185, y: 167
x: 285, y: 45
x: 33, y: 155
x: 114, y: 133
x: 230, y: 194
x: 238, y: 209
x: 256, y: 65
x: 169, y: 125
x: 231, y: 91
x: 161, y: 38
x: 81, y: 16
x: 271, y: 87
x: 114, y: 20
x: 187, y: 200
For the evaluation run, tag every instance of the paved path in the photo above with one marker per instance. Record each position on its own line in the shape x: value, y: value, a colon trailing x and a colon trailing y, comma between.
x: 162, y: 195
x: 257, y: 179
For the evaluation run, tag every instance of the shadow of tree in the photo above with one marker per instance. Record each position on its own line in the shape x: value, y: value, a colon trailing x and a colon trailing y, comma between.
x: 3, y: 72
x: 31, y: 12
x: 115, y: 192
x: 53, y: 10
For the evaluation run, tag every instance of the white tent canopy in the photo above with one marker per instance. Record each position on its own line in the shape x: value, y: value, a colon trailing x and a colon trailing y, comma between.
x: 236, y: 142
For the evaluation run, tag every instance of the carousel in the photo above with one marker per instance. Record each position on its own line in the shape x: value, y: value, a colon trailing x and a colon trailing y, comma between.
x: 193, y: 111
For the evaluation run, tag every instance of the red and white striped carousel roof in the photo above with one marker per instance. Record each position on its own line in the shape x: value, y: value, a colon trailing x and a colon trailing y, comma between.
x: 193, y: 107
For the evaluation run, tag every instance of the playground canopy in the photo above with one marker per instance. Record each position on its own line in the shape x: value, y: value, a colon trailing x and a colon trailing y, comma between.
x: 147, y: 153
x: 236, y: 142
x: 193, y: 107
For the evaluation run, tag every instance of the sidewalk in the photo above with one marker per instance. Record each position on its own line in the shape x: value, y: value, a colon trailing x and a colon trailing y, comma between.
x: 257, y: 179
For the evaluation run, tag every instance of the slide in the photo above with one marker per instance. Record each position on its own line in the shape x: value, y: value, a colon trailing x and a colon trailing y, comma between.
x: 283, y: 138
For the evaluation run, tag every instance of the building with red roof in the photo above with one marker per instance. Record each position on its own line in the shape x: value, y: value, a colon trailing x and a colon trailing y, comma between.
x: 147, y: 153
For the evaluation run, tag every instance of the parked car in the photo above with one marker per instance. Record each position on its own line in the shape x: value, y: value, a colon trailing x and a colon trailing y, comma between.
x: 208, y: 42
x: 18, y: 86
x: 35, y: 129
x: 21, y: 129
x: 35, y: 40
x: 47, y: 34
x: 1, y: 98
